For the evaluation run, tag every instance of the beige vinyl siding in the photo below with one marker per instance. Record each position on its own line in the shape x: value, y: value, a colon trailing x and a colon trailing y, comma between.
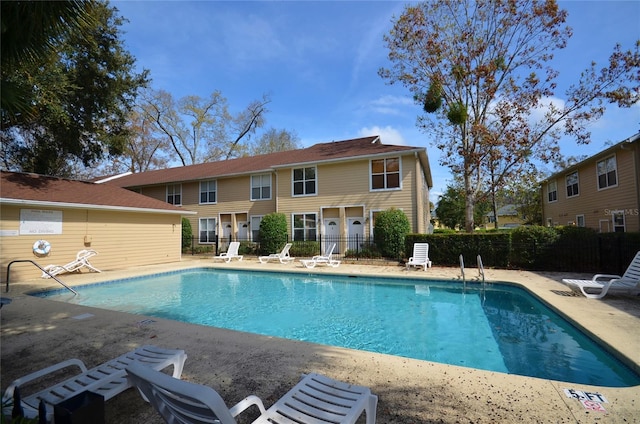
x: 347, y: 184
x: 122, y: 239
x: 594, y: 204
x: 233, y: 198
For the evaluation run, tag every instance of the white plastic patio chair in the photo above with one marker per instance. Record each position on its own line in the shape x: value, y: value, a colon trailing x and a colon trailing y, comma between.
x: 420, y: 256
x: 108, y: 379
x: 325, y: 259
x: 315, y: 399
x: 231, y: 253
x: 283, y: 256
x: 601, y: 284
x: 81, y: 261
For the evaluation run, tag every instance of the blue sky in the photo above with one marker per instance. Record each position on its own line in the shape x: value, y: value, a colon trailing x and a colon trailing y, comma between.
x: 318, y: 60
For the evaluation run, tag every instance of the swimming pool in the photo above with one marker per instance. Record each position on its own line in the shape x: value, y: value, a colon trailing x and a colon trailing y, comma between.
x: 502, y: 328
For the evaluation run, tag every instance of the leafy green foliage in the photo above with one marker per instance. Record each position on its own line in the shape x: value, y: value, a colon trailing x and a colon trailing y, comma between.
x: 529, y: 244
x: 80, y: 89
x: 273, y: 233
x: 187, y: 233
x: 390, y: 229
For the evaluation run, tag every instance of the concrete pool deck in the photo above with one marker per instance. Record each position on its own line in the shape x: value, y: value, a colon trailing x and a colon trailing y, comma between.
x: 36, y: 332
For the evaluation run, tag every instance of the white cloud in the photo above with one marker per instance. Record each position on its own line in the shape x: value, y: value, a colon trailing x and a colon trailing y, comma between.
x: 388, y: 134
x: 390, y: 105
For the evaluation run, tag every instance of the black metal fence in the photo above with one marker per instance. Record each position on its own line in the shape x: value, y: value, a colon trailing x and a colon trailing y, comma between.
x: 352, y: 247
x: 603, y: 254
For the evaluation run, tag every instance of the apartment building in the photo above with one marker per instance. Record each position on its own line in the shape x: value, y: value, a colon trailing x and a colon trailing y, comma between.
x: 328, y: 189
x: 601, y: 192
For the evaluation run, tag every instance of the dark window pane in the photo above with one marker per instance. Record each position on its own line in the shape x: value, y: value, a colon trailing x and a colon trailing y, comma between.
x: 298, y: 188
x: 377, y: 181
x: 310, y: 173
x: 393, y: 180
x: 310, y: 187
x: 297, y: 174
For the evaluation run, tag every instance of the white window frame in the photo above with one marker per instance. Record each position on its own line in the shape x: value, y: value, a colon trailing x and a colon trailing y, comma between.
x: 173, y: 191
x: 573, y: 185
x: 549, y: 191
x: 209, y: 191
x: 305, y: 229
x: 207, y: 223
x: 603, y: 165
x: 304, y: 181
x: 618, y: 228
x: 254, y: 225
x: 580, y: 221
x: 260, y: 185
x: 385, y: 174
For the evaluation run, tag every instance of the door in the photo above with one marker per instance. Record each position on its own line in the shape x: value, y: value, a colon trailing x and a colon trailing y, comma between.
x: 331, y: 235
x: 243, y: 231
x: 226, y: 231
x: 355, y: 233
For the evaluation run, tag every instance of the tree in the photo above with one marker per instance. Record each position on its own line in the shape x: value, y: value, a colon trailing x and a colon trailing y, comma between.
x: 201, y: 130
x: 451, y: 207
x: 80, y: 90
x: 274, y: 140
x: 481, y: 69
x: 29, y: 31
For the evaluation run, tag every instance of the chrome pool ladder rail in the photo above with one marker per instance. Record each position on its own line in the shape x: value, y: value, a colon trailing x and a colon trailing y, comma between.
x: 481, y: 274
x: 42, y: 269
x: 464, y: 281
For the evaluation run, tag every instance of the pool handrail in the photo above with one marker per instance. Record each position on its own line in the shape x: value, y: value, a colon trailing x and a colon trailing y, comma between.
x: 42, y: 269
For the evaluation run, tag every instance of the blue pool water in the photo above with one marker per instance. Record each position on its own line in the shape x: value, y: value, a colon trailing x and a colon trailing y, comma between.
x: 502, y: 328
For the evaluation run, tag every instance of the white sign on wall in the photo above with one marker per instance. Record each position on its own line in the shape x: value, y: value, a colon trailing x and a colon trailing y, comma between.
x: 40, y: 222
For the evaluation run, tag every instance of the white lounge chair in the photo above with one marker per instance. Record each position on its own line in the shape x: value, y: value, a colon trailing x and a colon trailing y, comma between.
x: 81, y: 261
x: 315, y: 399
x: 283, y: 256
x: 108, y: 379
x: 231, y: 253
x: 601, y: 284
x: 420, y: 256
x: 322, y: 259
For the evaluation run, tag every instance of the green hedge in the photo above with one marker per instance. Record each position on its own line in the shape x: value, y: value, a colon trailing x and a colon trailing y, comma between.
x: 567, y: 249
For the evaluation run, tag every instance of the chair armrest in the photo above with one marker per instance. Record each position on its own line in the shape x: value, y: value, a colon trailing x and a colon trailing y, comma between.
x: 8, y: 394
x: 246, y: 403
x: 607, y: 276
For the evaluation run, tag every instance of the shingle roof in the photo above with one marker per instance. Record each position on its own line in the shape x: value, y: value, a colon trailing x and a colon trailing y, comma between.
x: 333, y: 151
x: 33, y: 189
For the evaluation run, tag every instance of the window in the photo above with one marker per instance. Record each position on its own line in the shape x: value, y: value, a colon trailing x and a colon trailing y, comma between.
x: 207, y: 229
x: 174, y: 194
x: 208, y: 191
x: 304, y: 227
x: 304, y: 181
x: 552, y: 191
x: 385, y: 174
x: 580, y: 221
x: 618, y: 221
x: 261, y: 187
x: 255, y: 227
x: 607, y: 173
x: 572, y: 184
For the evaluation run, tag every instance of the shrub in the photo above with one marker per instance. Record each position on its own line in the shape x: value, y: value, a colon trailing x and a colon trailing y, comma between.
x: 273, y: 233
x: 391, y: 228
x: 187, y: 233
x: 530, y: 245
